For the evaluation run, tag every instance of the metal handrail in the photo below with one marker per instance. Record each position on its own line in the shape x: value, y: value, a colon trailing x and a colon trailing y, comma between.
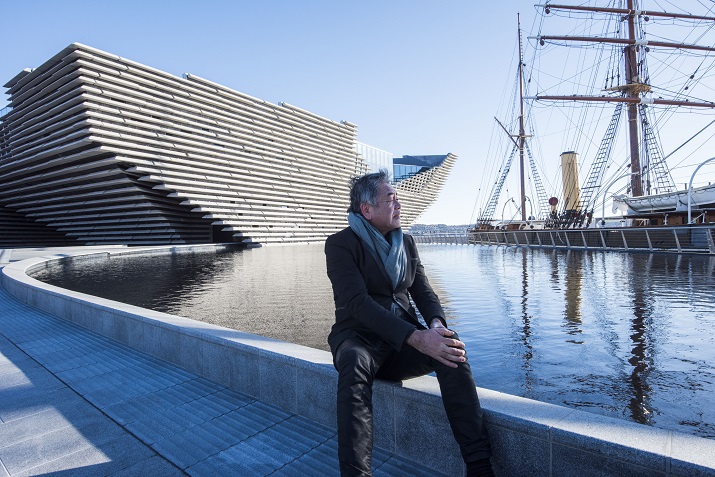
x: 698, y: 239
x: 690, y: 186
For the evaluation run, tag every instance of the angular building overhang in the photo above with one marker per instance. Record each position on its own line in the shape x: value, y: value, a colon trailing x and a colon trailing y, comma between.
x: 99, y: 149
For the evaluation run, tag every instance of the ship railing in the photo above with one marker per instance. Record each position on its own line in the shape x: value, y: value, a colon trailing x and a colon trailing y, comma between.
x: 446, y: 238
x: 700, y: 218
x: 675, y: 239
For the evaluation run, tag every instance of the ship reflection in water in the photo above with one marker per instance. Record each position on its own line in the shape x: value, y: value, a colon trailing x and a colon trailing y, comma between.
x: 627, y: 335
x: 630, y: 335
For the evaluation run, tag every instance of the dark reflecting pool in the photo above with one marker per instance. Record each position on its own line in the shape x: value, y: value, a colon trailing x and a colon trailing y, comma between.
x: 279, y: 292
x: 628, y: 335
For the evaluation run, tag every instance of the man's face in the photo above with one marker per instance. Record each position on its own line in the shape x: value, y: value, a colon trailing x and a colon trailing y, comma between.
x: 385, y: 216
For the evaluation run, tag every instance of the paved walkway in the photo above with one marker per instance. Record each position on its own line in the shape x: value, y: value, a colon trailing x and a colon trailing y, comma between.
x: 74, y: 403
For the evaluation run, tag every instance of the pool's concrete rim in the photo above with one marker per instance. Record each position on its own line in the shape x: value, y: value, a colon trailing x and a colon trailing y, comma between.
x: 528, y: 436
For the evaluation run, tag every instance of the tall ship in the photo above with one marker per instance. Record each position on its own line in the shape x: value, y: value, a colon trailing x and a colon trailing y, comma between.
x: 623, y: 93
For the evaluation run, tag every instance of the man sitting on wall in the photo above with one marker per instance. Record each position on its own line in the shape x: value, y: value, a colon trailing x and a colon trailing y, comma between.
x: 375, y: 269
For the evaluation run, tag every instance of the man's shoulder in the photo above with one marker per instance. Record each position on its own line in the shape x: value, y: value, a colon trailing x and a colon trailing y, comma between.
x: 347, y: 232
x: 343, y: 236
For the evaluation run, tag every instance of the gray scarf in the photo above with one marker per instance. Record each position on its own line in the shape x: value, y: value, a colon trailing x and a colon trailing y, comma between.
x: 392, y: 252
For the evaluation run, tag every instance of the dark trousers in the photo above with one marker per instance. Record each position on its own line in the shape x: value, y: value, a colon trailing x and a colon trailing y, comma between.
x: 359, y: 363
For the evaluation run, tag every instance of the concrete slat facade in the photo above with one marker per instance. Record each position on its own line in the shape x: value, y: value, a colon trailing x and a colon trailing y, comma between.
x: 98, y: 149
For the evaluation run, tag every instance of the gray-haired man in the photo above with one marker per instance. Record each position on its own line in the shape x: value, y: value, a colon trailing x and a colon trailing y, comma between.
x: 374, y: 269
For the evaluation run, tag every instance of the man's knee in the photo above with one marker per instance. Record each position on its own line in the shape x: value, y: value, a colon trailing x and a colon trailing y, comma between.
x: 353, y: 358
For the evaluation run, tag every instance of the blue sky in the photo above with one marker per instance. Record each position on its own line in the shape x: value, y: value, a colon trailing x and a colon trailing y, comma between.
x: 416, y: 76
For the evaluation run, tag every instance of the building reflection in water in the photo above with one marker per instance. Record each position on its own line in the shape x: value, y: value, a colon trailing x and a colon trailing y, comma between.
x: 278, y: 292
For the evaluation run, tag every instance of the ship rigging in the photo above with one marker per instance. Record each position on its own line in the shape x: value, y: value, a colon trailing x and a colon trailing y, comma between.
x: 621, y: 39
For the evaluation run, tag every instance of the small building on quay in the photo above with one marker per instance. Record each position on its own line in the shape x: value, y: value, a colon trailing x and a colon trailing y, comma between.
x: 98, y: 149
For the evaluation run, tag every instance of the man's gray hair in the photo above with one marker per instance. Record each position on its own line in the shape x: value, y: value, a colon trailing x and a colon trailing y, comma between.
x: 365, y: 189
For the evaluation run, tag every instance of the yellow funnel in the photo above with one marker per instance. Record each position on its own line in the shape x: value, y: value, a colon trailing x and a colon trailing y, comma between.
x: 569, y: 177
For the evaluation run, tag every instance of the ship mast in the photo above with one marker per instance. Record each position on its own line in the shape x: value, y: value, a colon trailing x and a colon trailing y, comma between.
x: 634, y: 87
x: 631, y: 91
x: 520, y: 141
x: 522, y: 132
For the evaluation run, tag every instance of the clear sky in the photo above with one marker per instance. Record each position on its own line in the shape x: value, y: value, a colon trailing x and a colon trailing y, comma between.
x: 416, y: 76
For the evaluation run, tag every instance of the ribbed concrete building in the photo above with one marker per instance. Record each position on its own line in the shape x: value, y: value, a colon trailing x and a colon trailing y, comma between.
x: 98, y: 149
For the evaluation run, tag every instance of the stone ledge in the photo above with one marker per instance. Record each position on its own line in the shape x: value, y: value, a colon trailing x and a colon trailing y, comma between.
x: 529, y: 437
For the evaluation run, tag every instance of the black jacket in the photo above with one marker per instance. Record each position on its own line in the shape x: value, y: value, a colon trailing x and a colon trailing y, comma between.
x: 365, y: 303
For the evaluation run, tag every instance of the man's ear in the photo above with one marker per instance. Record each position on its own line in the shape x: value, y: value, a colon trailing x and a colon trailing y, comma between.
x: 366, y: 211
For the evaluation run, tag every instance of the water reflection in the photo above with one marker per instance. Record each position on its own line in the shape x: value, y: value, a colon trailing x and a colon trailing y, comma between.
x: 635, y: 338
x: 526, y: 330
x: 279, y: 292
x: 642, y: 350
x: 574, y: 281
x: 629, y: 335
